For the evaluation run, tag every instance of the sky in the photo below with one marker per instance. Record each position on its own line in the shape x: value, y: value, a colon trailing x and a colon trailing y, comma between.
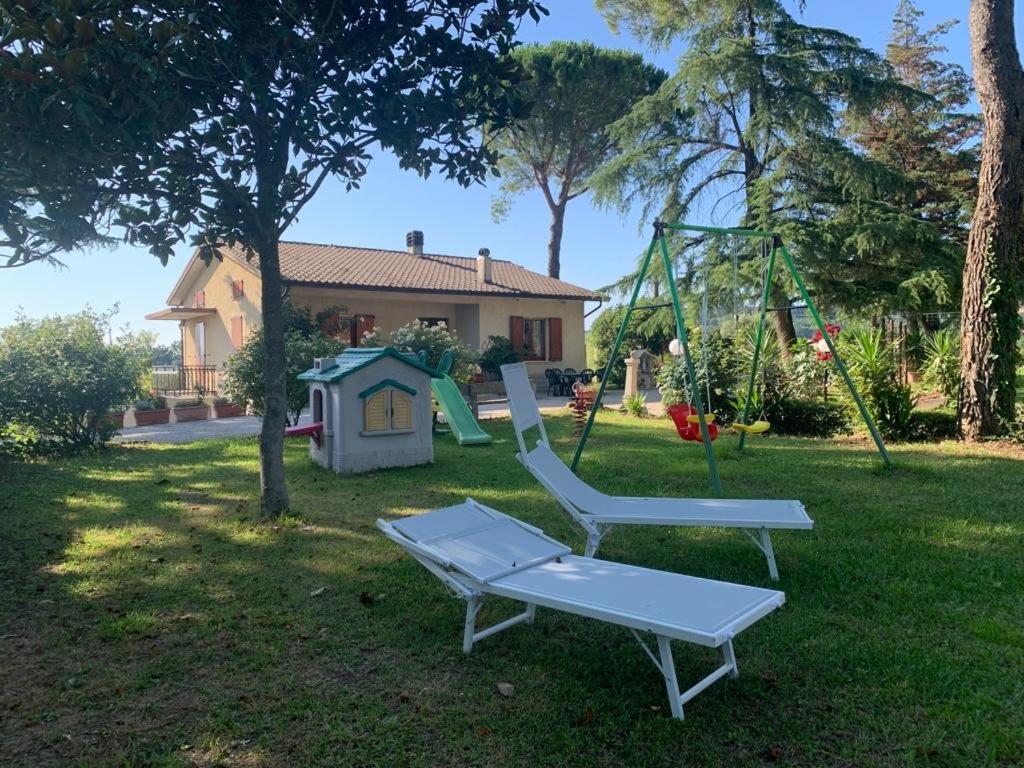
x: 597, y: 248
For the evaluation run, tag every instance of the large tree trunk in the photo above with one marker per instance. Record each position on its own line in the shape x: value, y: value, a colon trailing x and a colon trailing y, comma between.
x: 273, y: 488
x: 555, y: 239
x: 991, y: 290
x: 782, y: 321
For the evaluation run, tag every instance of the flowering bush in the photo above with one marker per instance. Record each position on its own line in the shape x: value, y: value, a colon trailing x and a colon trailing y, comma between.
x: 435, y: 340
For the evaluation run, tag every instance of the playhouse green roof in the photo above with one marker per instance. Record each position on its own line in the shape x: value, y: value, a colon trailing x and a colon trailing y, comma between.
x: 357, y: 358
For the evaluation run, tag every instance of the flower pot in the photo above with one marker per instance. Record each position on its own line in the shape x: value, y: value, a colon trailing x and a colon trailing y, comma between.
x: 227, y: 410
x: 147, y: 418
x: 115, y: 419
x: 192, y: 413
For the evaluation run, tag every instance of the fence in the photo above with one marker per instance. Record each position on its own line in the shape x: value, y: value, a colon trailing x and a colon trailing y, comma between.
x: 185, y: 379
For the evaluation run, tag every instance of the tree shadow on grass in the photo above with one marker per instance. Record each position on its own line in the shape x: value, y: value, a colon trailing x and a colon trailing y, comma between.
x: 152, y: 620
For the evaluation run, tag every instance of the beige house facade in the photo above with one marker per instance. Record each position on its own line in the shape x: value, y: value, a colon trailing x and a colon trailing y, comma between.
x: 217, y: 305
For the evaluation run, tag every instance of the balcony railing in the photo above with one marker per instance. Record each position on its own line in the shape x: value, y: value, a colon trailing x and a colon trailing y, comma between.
x: 185, y: 379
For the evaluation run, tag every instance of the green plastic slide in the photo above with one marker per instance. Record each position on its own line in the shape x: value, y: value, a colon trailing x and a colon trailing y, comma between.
x: 460, y: 419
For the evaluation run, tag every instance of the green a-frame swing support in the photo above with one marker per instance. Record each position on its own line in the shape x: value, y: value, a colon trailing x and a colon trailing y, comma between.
x: 778, y: 249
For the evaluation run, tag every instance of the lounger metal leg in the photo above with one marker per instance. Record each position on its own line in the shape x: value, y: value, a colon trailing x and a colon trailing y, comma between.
x: 471, y: 636
x: 763, y: 540
x: 473, y: 605
x: 730, y: 659
x: 668, y: 670
x: 666, y: 665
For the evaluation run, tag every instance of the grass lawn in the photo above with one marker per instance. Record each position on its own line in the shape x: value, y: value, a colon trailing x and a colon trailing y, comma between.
x: 146, y: 619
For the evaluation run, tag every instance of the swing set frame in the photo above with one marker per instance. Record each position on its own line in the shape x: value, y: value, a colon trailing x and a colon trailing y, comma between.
x: 777, y: 250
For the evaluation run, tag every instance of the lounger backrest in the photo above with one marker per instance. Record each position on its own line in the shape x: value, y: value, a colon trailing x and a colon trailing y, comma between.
x: 551, y: 471
x: 522, y: 403
x: 478, y: 541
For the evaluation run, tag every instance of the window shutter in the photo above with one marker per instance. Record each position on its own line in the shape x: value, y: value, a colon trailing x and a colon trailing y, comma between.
x: 376, y: 412
x: 401, y: 410
x: 363, y: 323
x: 515, y: 334
x: 236, y: 331
x: 555, y: 338
x: 200, y: 298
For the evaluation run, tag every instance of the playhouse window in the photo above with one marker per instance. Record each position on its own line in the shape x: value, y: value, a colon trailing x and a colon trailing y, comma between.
x: 318, y: 406
x: 389, y: 410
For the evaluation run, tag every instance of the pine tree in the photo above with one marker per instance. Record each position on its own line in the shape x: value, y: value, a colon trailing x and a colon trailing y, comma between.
x: 756, y: 100
x: 576, y: 91
x: 929, y: 139
x: 993, y: 279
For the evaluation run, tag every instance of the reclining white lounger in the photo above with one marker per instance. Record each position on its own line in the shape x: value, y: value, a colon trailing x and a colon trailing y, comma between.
x: 478, y: 551
x: 598, y: 513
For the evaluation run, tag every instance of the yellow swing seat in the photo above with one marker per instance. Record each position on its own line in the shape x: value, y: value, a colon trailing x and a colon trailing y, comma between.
x: 693, y: 418
x: 754, y: 428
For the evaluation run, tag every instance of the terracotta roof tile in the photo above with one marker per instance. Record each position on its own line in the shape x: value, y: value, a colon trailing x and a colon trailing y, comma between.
x: 372, y: 268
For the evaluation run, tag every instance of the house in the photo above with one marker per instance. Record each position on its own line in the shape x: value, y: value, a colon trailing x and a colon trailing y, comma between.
x: 374, y: 406
x: 217, y: 304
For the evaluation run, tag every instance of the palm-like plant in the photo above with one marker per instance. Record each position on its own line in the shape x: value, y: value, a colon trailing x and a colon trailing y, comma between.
x: 941, y: 367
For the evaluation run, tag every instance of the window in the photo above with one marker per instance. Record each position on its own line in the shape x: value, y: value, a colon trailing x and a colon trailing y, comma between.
x: 431, y: 322
x: 237, y: 289
x: 534, y: 338
x: 387, y: 408
x: 318, y: 406
x: 200, y: 298
x: 199, y: 340
x: 237, y: 331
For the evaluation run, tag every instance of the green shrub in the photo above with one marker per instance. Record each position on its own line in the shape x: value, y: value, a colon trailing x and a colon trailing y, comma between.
x: 636, y: 405
x: 808, y: 418
x: 646, y: 330
x: 152, y: 403
x: 940, y: 364
x: 59, y: 378
x: 931, y: 426
x: 892, y: 408
x: 721, y: 362
x: 874, y: 369
x: 243, y: 379
x: 497, y: 352
x: 189, y: 403
x: 435, y: 340
x: 806, y: 372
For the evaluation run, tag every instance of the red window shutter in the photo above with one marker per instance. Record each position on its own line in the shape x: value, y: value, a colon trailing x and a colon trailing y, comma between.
x: 555, y: 338
x: 515, y: 334
x: 363, y: 323
x: 237, y: 289
x: 236, y: 331
x: 200, y: 298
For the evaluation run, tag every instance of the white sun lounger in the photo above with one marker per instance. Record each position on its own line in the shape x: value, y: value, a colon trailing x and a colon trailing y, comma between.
x: 478, y: 551
x: 597, y: 513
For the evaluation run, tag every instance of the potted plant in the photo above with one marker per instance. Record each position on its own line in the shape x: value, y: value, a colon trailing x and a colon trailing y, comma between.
x: 115, y: 418
x: 152, y: 410
x: 224, y: 408
x: 193, y: 409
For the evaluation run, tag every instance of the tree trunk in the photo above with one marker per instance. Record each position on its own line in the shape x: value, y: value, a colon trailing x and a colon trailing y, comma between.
x: 555, y: 239
x: 782, y: 321
x: 991, y: 285
x: 273, y: 488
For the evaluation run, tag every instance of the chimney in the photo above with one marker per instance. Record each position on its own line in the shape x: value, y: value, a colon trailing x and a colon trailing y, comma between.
x: 483, y: 265
x: 414, y: 242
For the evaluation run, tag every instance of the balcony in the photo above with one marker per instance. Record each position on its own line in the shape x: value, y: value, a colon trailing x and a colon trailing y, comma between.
x: 185, y: 379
